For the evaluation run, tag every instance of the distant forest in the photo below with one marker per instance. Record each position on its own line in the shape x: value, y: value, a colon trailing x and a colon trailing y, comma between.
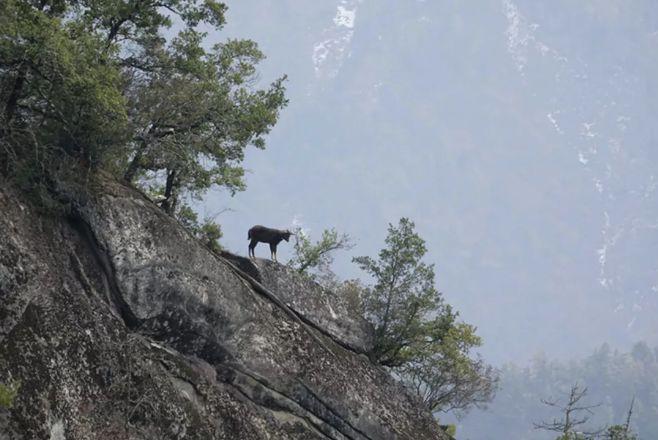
x: 612, y: 379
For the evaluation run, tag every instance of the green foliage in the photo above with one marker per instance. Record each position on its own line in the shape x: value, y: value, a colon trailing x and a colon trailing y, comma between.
x: 207, y: 231
x: 61, y: 98
x: 416, y: 332
x: 195, y: 115
x: 447, y: 376
x: 351, y: 291
x: 188, y: 218
x: 92, y: 84
x: 451, y: 430
x: 8, y: 393
x: 318, y: 255
x: 210, y: 234
x: 619, y: 432
x: 403, y: 297
x: 573, y: 436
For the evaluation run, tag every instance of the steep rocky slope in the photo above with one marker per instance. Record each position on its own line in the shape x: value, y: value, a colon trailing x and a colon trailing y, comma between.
x: 118, y: 324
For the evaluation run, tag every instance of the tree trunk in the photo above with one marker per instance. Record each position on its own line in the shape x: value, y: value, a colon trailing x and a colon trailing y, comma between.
x: 14, y: 95
x: 169, y: 203
x: 134, y: 166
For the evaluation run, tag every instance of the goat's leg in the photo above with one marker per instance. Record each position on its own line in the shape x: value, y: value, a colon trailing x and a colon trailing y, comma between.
x: 273, y: 251
x: 252, y: 248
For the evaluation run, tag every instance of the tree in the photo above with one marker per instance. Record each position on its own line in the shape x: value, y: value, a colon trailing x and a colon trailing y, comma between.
x: 61, y: 92
x: 93, y: 82
x: 402, y: 297
x: 318, y: 255
x: 194, y: 115
x: 446, y: 377
x: 622, y: 432
x: 575, y: 414
x: 417, y: 334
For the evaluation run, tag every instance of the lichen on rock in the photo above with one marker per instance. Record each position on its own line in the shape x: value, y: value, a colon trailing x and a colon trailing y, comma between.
x: 119, y: 324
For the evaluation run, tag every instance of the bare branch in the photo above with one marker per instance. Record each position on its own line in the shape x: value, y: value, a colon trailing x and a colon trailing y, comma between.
x: 572, y: 414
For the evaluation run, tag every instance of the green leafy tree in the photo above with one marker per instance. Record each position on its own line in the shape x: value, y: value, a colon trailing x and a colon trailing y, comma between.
x: 195, y: 113
x: 319, y: 255
x: 447, y: 376
x: 416, y: 333
x: 61, y: 91
x: 403, y: 297
x: 94, y: 83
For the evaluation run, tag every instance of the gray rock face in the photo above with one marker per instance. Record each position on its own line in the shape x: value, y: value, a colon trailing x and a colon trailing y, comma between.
x: 315, y: 305
x: 118, y: 324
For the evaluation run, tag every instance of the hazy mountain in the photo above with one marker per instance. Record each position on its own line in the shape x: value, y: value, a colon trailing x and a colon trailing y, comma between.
x: 519, y: 135
x: 613, y: 380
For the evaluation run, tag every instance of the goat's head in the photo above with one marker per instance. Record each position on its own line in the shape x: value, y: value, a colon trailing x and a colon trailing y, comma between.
x: 286, y: 235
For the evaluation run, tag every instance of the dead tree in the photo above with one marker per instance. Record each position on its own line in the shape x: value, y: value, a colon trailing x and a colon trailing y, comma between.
x: 575, y: 414
x: 622, y: 432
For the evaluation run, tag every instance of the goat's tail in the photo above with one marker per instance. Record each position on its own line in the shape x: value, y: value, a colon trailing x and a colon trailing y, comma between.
x: 249, y: 234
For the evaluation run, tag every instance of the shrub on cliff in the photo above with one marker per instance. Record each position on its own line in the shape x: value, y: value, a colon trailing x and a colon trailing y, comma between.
x: 417, y: 334
x: 207, y: 231
x: 319, y: 255
x: 8, y: 393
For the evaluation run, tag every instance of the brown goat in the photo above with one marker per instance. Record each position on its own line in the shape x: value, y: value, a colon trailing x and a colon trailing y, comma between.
x: 262, y: 234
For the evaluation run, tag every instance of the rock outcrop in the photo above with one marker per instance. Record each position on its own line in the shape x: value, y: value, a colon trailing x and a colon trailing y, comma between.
x: 315, y: 305
x: 119, y: 325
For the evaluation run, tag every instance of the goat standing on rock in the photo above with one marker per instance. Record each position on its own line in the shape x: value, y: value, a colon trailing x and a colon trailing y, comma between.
x: 262, y: 234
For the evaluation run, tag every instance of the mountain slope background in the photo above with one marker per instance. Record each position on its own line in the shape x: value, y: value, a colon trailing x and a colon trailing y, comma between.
x: 518, y: 135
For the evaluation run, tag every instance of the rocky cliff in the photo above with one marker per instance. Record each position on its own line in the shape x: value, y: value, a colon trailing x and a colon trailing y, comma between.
x: 117, y: 324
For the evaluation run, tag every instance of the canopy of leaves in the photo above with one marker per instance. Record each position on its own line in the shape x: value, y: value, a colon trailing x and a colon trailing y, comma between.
x: 416, y: 332
x: 400, y: 302
x: 447, y: 377
x: 61, y: 94
x: 93, y: 82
